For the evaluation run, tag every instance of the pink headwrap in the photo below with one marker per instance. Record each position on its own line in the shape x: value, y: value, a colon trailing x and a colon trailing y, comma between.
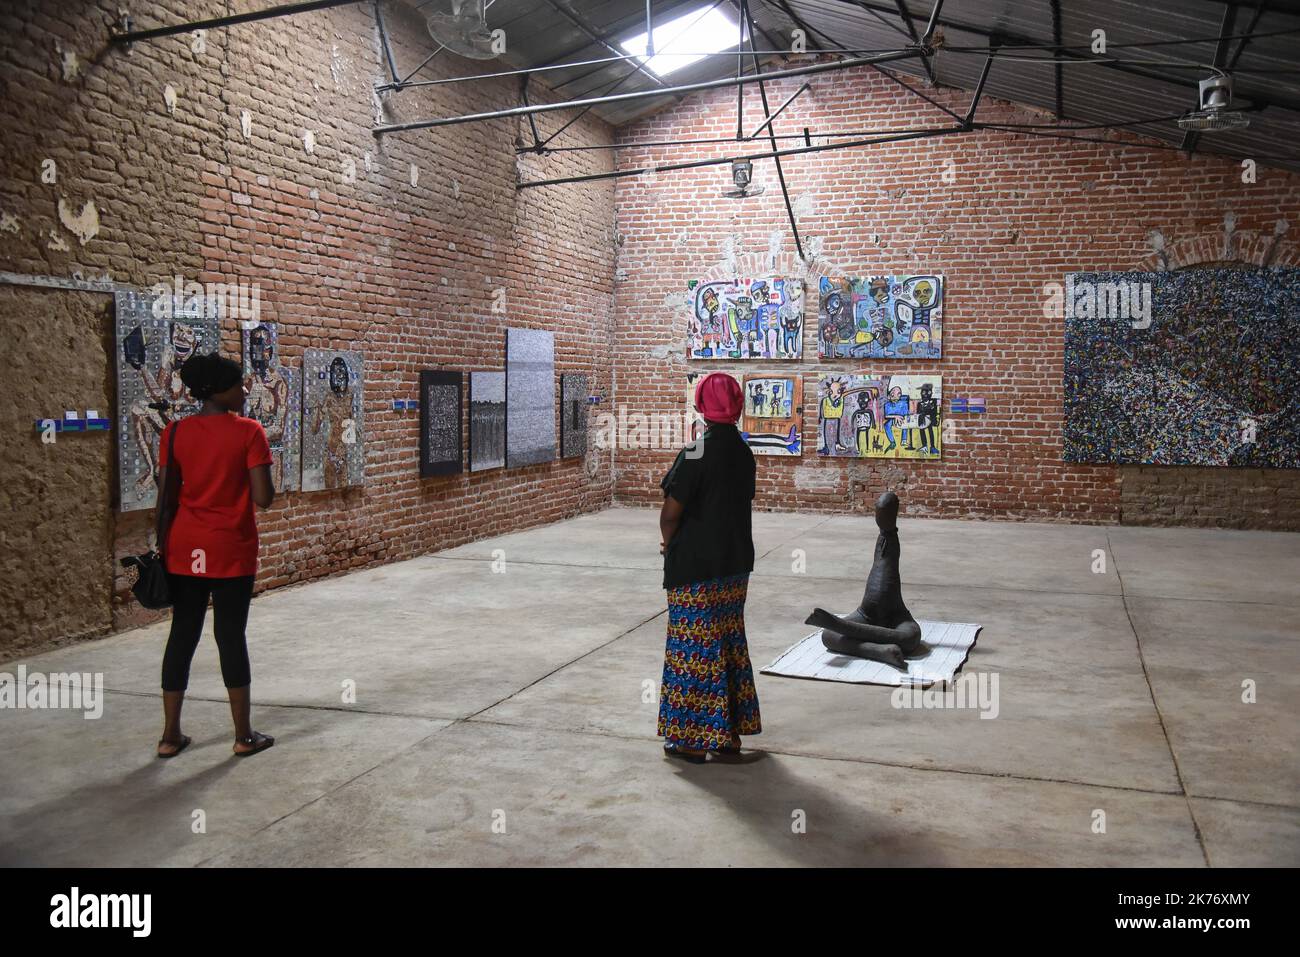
x: 718, y: 398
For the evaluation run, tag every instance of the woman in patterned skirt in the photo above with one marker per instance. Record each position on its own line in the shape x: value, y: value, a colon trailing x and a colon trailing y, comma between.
x: 708, y: 700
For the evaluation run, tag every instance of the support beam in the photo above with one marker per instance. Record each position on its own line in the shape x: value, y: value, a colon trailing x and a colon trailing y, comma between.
x: 911, y: 31
x: 562, y: 9
x: 979, y: 90
x: 285, y: 10
x: 1060, y: 67
x: 771, y: 132
x: 383, y: 39
x: 722, y: 83
x: 779, y: 110
x: 721, y: 160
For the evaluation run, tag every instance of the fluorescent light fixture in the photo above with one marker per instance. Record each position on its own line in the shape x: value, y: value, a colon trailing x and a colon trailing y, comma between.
x: 703, y: 31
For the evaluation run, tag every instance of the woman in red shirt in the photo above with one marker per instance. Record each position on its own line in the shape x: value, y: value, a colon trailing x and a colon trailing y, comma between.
x: 208, y: 540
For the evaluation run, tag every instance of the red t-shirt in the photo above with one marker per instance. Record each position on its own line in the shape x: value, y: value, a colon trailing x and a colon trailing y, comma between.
x: 215, y: 514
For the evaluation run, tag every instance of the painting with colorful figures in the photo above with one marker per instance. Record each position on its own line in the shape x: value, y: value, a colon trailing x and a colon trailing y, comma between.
x: 333, y: 434
x: 745, y: 319
x: 772, y: 422
x: 880, y: 317
x: 275, y: 400
x: 1195, y: 367
x: 155, y: 335
x: 880, y: 416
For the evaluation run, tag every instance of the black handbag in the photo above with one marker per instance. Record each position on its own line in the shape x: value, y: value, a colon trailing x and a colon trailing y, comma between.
x: 151, y: 588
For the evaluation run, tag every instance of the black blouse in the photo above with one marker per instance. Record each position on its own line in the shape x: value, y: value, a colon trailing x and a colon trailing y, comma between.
x: 713, y: 479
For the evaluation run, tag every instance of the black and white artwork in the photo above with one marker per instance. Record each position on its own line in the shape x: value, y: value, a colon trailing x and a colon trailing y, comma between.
x: 573, y: 415
x: 487, y: 420
x: 440, y: 451
x: 530, y: 397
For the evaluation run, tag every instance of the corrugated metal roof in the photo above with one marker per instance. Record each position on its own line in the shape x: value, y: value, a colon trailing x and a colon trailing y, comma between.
x: 1147, y: 82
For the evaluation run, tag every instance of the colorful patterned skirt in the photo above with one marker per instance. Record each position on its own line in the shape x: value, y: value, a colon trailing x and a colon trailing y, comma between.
x: 708, y: 690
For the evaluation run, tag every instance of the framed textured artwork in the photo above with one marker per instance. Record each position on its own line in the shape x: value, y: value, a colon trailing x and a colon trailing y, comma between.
x: 530, y: 397
x: 880, y: 317
x: 880, y: 416
x: 487, y: 420
x: 772, y: 422
x: 1194, y: 367
x: 155, y: 335
x: 275, y: 400
x: 573, y: 414
x: 333, y: 430
x: 745, y: 319
x: 440, y: 414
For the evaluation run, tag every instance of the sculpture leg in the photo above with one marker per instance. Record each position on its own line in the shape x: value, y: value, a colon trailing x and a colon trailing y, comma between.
x: 842, y: 645
x: 907, y: 635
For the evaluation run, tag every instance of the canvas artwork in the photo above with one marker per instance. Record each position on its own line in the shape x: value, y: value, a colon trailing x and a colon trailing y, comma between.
x: 487, y: 420
x: 275, y: 400
x: 880, y: 317
x: 745, y: 319
x: 1196, y: 367
x: 772, y: 422
x: 333, y: 433
x: 440, y: 414
x: 530, y: 397
x: 573, y: 415
x: 155, y: 335
x: 880, y: 416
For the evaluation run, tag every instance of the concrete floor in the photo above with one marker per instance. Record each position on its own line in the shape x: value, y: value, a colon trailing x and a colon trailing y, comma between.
x: 519, y: 699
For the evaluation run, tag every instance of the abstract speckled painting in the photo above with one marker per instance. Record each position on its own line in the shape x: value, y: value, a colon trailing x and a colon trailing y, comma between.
x: 440, y: 451
x: 1195, y: 367
x: 487, y: 420
x: 573, y: 415
x: 530, y: 397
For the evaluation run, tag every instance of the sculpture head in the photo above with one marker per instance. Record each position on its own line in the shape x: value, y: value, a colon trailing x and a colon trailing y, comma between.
x: 887, y: 512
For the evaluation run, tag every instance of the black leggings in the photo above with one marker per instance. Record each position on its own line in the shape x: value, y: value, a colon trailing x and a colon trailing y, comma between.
x: 230, y: 599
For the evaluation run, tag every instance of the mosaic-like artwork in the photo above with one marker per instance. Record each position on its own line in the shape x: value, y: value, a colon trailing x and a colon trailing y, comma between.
x: 275, y: 400
x: 333, y: 432
x: 880, y: 416
x: 772, y: 422
x: 440, y: 449
x: 573, y: 415
x: 487, y: 420
x: 745, y: 319
x: 155, y: 335
x: 880, y: 317
x: 1196, y: 367
x: 530, y: 397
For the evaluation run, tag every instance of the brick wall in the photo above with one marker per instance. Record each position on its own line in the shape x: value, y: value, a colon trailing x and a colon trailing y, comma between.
x: 1013, y: 213
x: 404, y: 273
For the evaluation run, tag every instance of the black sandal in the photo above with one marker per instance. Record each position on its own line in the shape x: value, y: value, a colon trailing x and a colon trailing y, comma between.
x: 180, y: 746
x: 683, y: 756
x: 260, y: 741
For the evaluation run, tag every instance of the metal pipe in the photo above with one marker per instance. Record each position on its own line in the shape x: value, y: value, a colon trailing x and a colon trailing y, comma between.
x: 284, y: 10
x: 934, y: 22
x: 911, y: 30
x: 649, y: 32
x: 740, y: 69
x: 645, y: 94
x: 771, y: 130
x: 719, y: 161
x: 979, y: 90
x: 779, y: 110
x: 596, y: 36
x: 383, y: 39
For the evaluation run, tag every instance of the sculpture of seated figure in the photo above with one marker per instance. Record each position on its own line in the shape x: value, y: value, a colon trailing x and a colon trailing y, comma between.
x: 881, y: 628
